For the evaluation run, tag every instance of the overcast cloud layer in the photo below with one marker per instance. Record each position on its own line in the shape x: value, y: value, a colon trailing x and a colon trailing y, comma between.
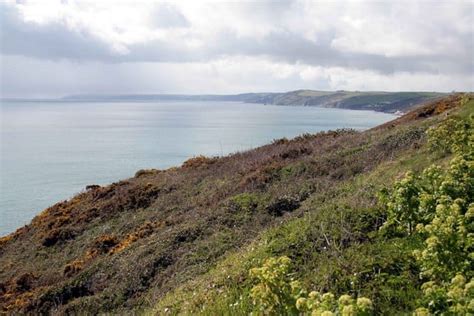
x: 54, y: 48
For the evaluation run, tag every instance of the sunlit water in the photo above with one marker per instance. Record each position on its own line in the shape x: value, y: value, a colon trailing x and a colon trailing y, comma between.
x: 52, y: 150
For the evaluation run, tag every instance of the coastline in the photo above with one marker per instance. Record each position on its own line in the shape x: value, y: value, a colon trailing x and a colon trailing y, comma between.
x: 68, y: 190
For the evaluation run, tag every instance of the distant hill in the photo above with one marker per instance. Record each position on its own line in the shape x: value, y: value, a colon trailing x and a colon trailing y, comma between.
x: 377, y: 101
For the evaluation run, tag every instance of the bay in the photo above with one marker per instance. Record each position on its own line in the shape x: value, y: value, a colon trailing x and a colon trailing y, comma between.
x: 51, y: 150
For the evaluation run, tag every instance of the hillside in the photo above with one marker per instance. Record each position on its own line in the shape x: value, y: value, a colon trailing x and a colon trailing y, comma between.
x: 182, y: 240
x: 376, y: 101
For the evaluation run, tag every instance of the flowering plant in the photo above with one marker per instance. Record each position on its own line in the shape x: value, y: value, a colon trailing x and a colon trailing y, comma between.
x: 277, y: 293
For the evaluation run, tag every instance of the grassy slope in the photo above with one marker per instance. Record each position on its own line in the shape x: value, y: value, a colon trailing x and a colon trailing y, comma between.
x: 332, y: 244
x: 185, y: 237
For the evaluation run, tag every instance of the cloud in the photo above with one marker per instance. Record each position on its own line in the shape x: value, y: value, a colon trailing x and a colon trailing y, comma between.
x: 32, y: 77
x: 297, y: 42
x: 167, y: 16
x: 49, y: 41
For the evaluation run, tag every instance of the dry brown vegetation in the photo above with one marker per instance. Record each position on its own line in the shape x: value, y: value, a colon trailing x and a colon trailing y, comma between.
x: 122, y: 245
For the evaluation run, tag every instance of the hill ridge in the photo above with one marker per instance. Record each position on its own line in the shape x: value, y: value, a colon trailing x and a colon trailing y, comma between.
x: 369, y: 100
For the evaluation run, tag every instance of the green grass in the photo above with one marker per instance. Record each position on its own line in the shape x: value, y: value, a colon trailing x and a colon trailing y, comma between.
x: 330, y: 246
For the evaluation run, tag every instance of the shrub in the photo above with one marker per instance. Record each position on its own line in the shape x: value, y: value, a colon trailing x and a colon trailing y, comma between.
x: 276, y: 290
x: 293, y: 170
x: 327, y: 304
x: 449, y: 243
x: 73, y: 267
x: 143, y: 231
x: 457, y: 298
x: 451, y: 136
x: 280, y: 141
x: 92, y: 187
x: 199, y: 161
x: 244, y: 202
x: 144, y: 172
x: 293, y: 153
x: 440, y: 204
x: 278, y: 293
x: 402, y: 205
x: 414, y: 199
x: 56, y: 236
x: 283, y: 204
x: 23, y: 282
x: 103, y: 244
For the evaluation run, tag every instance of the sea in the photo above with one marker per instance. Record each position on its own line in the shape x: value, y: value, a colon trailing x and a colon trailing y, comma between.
x: 50, y: 150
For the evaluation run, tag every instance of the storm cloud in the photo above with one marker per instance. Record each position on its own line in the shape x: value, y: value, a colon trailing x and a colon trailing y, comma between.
x: 151, y: 47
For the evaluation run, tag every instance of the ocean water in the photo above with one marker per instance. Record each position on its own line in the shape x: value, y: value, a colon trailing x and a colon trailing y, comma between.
x: 50, y: 151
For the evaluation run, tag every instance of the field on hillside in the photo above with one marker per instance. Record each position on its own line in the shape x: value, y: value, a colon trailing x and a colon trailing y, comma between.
x: 182, y: 240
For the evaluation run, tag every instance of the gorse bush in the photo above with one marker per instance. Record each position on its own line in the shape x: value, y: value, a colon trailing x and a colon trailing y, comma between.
x: 278, y: 293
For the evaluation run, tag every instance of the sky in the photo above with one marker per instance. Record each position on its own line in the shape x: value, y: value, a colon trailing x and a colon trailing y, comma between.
x: 56, y: 48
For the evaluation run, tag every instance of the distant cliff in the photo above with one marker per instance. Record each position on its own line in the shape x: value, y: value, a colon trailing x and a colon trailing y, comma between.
x: 376, y: 101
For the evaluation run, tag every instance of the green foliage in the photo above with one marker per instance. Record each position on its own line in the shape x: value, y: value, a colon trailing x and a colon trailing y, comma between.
x: 456, y: 298
x: 414, y: 198
x: 326, y: 304
x: 451, y: 136
x: 403, y: 205
x: 277, y: 293
x: 293, y: 170
x: 449, y: 246
x: 245, y: 202
x: 440, y: 204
